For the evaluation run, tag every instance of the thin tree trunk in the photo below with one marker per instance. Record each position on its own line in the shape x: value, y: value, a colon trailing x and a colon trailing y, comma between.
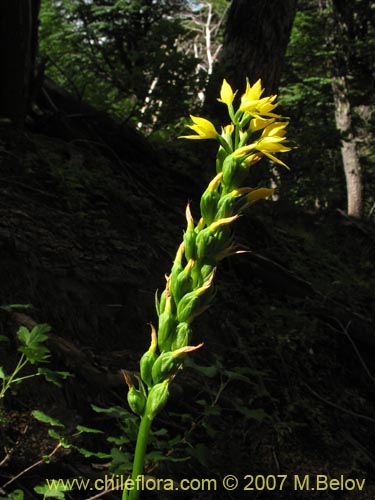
x: 352, y: 167
x: 338, y: 28
x: 18, y: 45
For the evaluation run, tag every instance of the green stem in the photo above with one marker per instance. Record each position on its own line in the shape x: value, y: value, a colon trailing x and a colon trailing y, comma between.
x: 6, y: 384
x: 139, y: 457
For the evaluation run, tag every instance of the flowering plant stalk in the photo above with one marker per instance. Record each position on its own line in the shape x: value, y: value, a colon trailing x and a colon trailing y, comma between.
x: 255, y: 131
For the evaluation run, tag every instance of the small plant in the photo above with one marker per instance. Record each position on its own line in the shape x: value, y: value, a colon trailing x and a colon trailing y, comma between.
x: 33, y: 351
x: 255, y: 131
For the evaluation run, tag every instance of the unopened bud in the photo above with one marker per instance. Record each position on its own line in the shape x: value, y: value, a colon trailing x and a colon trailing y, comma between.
x: 167, y: 326
x: 157, y: 398
x: 136, y: 398
x: 137, y: 401
x: 182, y: 283
x: 225, y: 207
x: 182, y: 337
x: 148, y: 359
x: 209, y: 200
x: 188, y: 307
x: 234, y: 172
x: 164, y: 366
x: 191, y: 304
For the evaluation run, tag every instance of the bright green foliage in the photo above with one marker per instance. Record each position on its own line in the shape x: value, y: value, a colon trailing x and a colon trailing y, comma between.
x: 15, y: 495
x: 57, y: 491
x: 122, y: 56
x: 32, y: 351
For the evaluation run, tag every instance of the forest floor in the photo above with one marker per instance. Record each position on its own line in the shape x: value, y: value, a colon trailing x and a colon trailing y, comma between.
x: 285, y: 382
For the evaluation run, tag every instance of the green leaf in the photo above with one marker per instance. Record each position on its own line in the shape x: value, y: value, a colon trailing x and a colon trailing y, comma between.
x: 115, y: 412
x: 33, y: 348
x: 118, y: 440
x: 201, y: 453
x: 12, y: 307
x: 4, y: 338
x: 53, y: 489
x: 46, y: 419
x: 237, y: 376
x: 207, y: 371
x: 88, y: 454
x: 3, y: 375
x: 54, y: 376
x: 259, y: 414
x: 121, y: 461
x: 15, y: 495
x: 82, y: 428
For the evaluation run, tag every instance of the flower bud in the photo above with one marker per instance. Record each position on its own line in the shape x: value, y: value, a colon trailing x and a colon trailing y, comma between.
x: 208, y: 205
x: 205, y: 245
x: 235, y: 172
x: 220, y: 158
x: 137, y: 401
x: 136, y: 398
x: 189, y: 235
x: 177, y: 263
x: 167, y: 326
x: 188, y: 307
x: 210, y: 198
x: 146, y: 363
x: 160, y: 304
x: 164, y: 366
x: 182, y: 337
x: 230, y: 169
x: 225, y: 207
x: 148, y: 359
x: 182, y: 283
x: 157, y: 398
x: 191, y: 304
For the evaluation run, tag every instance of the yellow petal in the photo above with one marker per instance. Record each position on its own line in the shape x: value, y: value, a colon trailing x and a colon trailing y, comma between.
x: 203, y: 127
x: 226, y: 93
x: 258, y: 123
x: 275, y: 129
x: 277, y: 160
x: 259, y: 194
x: 253, y: 93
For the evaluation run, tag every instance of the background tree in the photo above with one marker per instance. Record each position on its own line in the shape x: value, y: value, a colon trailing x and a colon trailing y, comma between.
x: 206, y: 21
x: 349, y: 35
x: 18, y: 44
x: 125, y: 57
x: 255, y: 40
x: 328, y: 77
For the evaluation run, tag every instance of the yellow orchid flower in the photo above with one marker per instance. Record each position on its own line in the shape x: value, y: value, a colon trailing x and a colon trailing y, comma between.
x: 252, y: 93
x: 275, y: 129
x: 259, y: 194
x: 271, y: 145
x: 262, y: 107
x: 226, y: 93
x: 204, y: 128
x: 271, y: 141
x: 258, y: 123
x: 266, y: 105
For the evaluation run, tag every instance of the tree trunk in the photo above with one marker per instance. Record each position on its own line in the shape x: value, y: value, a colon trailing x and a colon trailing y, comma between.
x: 339, y: 25
x: 256, y: 37
x: 350, y: 160
x: 18, y: 44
